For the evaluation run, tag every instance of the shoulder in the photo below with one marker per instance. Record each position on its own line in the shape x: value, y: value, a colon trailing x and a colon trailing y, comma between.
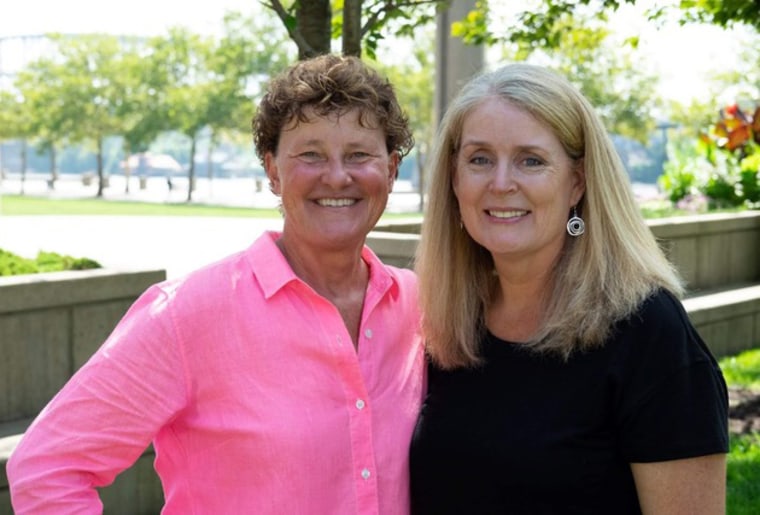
x: 204, y: 289
x: 669, y: 393
x: 660, y: 317
x: 659, y: 335
x: 662, y: 309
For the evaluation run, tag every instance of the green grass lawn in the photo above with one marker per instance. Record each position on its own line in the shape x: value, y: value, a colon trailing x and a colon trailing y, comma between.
x: 30, y: 205
x: 743, y: 479
x: 25, y: 205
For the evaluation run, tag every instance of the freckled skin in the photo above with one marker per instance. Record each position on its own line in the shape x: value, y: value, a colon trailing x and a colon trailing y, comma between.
x: 340, y: 163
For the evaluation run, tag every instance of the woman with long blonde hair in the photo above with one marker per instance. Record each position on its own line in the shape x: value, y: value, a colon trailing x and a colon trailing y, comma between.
x: 565, y: 376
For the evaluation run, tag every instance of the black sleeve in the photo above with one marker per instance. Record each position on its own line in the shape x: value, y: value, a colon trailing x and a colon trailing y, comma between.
x: 673, y: 400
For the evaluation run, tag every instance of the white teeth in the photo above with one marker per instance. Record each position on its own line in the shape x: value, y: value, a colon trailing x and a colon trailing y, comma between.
x: 336, y: 202
x: 507, y: 214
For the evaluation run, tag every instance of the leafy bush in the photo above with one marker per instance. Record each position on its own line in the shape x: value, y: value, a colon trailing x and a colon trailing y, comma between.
x: 679, y: 179
x: 13, y: 264
x: 742, y: 369
x: 723, y: 165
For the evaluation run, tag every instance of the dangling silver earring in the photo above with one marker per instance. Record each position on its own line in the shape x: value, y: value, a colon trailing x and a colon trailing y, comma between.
x: 575, y: 226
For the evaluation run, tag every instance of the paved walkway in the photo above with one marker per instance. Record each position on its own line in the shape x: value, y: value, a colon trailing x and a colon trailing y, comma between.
x: 176, y: 244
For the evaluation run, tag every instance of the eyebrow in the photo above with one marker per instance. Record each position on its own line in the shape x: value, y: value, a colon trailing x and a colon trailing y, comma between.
x: 522, y: 148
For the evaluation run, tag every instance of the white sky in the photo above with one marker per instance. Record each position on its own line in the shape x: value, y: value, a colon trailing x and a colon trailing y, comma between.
x: 140, y: 17
x: 683, y: 56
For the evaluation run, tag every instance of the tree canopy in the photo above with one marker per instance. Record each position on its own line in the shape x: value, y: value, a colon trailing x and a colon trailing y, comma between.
x: 361, y: 24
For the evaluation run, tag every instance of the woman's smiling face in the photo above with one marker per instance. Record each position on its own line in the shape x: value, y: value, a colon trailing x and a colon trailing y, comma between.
x: 514, y: 182
x: 334, y: 177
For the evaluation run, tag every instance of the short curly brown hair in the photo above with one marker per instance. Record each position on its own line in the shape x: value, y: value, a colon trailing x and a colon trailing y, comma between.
x: 330, y: 84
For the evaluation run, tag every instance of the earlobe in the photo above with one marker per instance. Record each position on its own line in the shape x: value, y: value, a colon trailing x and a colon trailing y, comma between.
x: 272, y: 173
x: 393, y: 165
x: 580, y: 182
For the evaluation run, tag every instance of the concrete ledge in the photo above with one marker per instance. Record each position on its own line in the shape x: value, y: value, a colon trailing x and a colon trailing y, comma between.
x: 10, y: 435
x: 50, y: 324
x: 710, y: 251
x: 710, y: 223
x: 728, y: 320
x: 37, y: 291
x: 410, y: 226
x: 394, y: 248
x: 713, y: 250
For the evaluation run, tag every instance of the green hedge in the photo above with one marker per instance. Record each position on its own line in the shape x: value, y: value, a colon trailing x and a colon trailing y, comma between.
x: 13, y: 264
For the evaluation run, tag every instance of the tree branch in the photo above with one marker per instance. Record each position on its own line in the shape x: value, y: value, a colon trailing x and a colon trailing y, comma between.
x: 293, y: 31
x: 379, y: 17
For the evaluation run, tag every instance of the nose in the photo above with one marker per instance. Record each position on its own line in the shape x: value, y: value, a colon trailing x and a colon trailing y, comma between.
x: 502, y: 180
x: 336, y: 174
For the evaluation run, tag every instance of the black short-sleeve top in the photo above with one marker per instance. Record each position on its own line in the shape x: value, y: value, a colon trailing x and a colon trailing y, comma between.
x: 530, y: 433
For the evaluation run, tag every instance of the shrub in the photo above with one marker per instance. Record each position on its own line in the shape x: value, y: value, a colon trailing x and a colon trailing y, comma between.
x: 13, y: 264
x: 723, y: 165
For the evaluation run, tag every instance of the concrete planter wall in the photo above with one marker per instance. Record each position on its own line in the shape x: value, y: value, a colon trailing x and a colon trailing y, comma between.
x: 718, y: 256
x: 50, y: 324
x: 712, y: 251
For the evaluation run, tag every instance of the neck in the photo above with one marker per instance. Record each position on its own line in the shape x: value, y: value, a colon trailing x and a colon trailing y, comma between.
x: 518, y: 308
x: 328, y: 273
x: 339, y: 277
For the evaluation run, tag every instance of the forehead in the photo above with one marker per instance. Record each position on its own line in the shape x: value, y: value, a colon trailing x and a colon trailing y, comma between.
x: 499, y: 120
x: 349, y: 125
x: 353, y: 115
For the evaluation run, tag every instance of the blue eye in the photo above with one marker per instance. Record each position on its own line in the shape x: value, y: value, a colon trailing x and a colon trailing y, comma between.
x: 533, y: 161
x: 480, y: 160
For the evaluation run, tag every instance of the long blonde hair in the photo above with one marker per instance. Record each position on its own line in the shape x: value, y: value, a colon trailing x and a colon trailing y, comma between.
x: 600, y: 278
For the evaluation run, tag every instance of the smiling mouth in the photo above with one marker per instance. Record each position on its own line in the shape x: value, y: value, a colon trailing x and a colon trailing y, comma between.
x: 506, y: 214
x: 336, y: 202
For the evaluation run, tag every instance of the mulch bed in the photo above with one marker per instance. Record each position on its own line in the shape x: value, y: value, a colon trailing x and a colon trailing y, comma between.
x: 743, y: 411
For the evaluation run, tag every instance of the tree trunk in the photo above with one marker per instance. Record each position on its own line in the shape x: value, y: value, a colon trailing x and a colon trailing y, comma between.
x: 313, y: 19
x: 352, y: 27
x: 23, y: 164
x: 209, y: 163
x: 53, y: 167
x: 127, y: 169
x: 99, y: 157
x: 191, y: 171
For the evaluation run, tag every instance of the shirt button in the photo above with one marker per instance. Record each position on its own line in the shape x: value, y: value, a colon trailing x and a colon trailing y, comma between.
x: 368, y: 333
x: 360, y: 404
x: 365, y: 474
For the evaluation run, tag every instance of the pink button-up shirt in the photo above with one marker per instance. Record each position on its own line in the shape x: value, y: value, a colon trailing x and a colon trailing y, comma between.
x: 252, y: 392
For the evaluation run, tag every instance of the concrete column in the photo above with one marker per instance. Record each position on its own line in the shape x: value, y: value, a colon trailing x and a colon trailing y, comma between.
x: 455, y: 62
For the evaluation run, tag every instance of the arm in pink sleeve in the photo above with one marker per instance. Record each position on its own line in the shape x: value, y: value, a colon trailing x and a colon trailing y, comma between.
x: 104, y: 417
